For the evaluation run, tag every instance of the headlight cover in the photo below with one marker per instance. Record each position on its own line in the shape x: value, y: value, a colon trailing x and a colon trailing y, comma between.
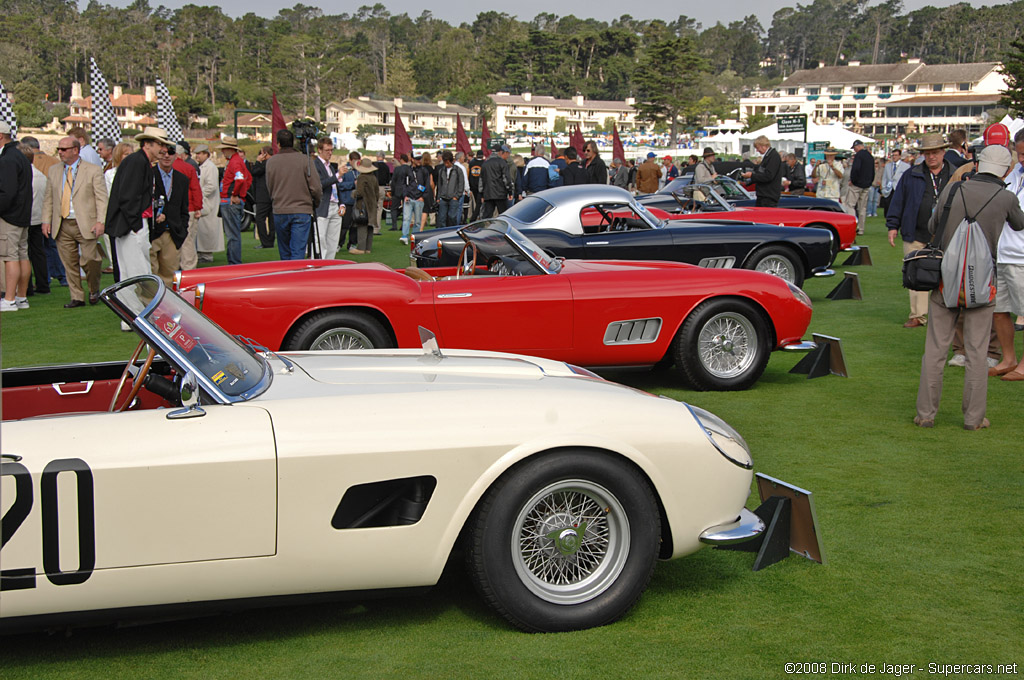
x: 800, y: 295
x: 723, y: 437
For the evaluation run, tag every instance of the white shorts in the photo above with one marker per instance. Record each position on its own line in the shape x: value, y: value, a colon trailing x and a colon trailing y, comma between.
x: 1010, y: 288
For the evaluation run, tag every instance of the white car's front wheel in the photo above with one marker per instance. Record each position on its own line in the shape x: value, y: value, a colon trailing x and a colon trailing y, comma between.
x: 565, y: 541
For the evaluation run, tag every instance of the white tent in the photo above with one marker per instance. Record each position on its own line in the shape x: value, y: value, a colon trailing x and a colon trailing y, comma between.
x: 836, y: 135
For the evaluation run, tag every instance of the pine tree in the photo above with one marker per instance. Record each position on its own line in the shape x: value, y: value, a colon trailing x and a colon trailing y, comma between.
x: 1013, y: 69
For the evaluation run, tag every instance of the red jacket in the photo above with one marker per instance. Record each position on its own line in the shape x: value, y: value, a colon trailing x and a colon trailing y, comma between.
x: 237, y: 179
x: 195, y: 194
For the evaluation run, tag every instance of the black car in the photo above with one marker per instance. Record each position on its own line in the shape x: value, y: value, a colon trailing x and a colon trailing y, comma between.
x: 598, y: 222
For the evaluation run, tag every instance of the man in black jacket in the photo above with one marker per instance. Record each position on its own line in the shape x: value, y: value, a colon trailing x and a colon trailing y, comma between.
x: 170, y: 216
x: 15, y: 217
x: 597, y: 171
x: 261, y: 198
x: 573, y: 173
x: 862, y: 176
x: 496, y: 188
x: 767, y: 176
x: 130, y: 205
x: 794, y: 177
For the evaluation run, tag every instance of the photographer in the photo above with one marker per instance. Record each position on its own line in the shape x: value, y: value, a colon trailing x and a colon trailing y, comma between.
x: 294, y: 188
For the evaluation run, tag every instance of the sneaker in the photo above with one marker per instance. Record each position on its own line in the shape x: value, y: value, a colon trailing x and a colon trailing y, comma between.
x: 8, y: 305
x: 22, y: 303
x: 404, y: 240
x: 957, y: 360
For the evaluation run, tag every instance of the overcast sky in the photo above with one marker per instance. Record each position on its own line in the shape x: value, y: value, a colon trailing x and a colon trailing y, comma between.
x: 457, y: 11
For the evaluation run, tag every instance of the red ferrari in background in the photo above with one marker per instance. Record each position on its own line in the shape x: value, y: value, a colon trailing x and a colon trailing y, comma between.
x: 702, y: 202
x: 717, y: 325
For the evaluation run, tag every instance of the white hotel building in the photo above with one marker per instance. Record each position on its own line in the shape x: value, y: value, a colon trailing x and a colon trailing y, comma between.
x: 531, y: 113
x: 886, y: 98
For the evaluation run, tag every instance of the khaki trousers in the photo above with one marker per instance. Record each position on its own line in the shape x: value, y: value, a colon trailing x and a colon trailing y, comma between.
x: 857, y: 199
x: 941, y: 326
x: 918, y: 298
x: 163, y: 257
x: 187, y: 254
x: 76, y: 253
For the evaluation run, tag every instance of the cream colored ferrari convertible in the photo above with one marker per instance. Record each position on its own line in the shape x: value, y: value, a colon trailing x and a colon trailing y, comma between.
x: 206, y: 473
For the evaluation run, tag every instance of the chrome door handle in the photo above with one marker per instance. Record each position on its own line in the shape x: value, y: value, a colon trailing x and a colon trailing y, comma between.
x: 58, y: 388
x: 455, y: 295
x: 597, y: 243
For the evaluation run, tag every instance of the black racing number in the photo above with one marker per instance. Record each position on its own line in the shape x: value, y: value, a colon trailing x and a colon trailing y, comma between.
x: 23, y: 578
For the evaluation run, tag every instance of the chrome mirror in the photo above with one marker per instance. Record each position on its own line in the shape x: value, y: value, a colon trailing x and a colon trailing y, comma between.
x: 189, y: 392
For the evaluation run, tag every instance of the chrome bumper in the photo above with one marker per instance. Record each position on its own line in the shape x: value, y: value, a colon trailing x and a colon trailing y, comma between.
x: 746, y: 527
x: 824, y: 271
x: 805, y: 346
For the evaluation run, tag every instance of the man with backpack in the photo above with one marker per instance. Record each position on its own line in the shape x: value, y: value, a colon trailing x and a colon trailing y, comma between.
x: 968, y: 220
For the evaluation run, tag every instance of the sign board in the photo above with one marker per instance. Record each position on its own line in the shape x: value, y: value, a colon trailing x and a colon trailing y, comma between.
x: 793, y: 122
x: 816, y: 151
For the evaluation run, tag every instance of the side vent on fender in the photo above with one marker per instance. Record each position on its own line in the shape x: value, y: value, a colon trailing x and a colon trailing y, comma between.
x: 635, y: 332
x: 393, y: 502
x: 725, y: 262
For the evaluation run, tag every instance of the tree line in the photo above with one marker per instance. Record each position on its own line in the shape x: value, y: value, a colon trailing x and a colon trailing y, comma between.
x: 211, y: 61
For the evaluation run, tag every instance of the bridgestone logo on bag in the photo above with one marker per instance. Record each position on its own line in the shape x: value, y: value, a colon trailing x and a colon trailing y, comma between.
x: 967, y: 269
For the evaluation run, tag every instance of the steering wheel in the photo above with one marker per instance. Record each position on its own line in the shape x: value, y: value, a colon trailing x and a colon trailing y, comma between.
x: 466, y: 267
x: 136, y: 382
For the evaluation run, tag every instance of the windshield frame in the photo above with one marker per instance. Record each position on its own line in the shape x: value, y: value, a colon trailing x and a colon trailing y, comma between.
x: 144, y: 324
x: 516, y: 240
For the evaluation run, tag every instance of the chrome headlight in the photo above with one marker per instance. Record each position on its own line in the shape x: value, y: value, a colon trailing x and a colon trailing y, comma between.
x: 723, y: 437
x: 800, y: 295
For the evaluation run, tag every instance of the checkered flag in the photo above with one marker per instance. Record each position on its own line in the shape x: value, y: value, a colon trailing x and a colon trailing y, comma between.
x: 104, y: 122
x: 7, y: 111
x: 165, y: 117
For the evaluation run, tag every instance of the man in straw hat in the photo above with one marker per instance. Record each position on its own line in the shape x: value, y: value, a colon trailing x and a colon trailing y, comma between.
x: 985, y: 199
x: 911, y: 207
x: 130, y: 206
x: 233, y: 187
x: 829, y: 175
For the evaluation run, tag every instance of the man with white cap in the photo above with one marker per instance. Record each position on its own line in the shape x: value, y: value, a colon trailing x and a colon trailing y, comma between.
x: 130, y: 206
x: 233, y: 188
x: 985, y: 199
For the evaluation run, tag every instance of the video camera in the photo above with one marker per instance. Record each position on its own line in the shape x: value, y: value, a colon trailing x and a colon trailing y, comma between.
x: 306, y: 133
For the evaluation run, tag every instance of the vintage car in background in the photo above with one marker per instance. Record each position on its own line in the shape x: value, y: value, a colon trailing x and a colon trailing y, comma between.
x: 703, y: 201
x: 212, y: 475
x: 594, y: 222
x: 718, y: 326
x: 739, y: 195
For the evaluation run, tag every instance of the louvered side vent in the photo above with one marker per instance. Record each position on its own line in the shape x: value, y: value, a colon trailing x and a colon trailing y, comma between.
x: 717, y: 262
x: 635, y: 332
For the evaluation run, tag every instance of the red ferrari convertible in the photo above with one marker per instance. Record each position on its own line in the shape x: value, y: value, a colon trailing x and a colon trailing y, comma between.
x: 718, y: 325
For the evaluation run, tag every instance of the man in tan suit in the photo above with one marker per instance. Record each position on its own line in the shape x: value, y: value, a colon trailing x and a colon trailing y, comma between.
x: 74, y: 206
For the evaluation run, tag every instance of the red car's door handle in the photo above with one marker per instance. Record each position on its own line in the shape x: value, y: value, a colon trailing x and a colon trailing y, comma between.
x: 454, y: 295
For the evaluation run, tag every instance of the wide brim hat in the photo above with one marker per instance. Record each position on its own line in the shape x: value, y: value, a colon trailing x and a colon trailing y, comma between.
x: 228, y: 143
x: 364, y: 166
x: 708, y: 151
x: 831, y: 150
x: 931, y: 142
x: 153, y: 133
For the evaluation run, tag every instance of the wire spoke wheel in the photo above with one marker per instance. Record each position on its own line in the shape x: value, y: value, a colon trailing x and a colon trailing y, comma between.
x: 341, y: 338
x: 727, y: 344
x: 570, y: 542
x: 779, y: 266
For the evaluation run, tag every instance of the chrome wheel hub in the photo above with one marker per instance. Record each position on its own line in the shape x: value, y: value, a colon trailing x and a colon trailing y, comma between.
x: 727, y: 345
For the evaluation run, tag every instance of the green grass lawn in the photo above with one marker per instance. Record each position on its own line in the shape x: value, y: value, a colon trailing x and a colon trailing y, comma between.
x: 922, y: 529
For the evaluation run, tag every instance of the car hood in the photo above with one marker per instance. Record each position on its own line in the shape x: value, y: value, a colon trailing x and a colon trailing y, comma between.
x: 414, y: 366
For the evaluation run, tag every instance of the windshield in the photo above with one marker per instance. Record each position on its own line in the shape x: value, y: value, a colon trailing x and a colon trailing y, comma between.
x: 529, y: 210
x: 188, y: 339
x: 677, y: 184
x: 498, y: 239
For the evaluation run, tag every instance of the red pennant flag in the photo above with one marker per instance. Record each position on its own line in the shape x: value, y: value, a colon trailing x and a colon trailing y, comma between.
x: 402, y: 142
x: 577, y: 141
x: 617, y: 150
x: 461, y: 140
x: 276, y: 123
x: 485, y: 138
x: 554, y: 150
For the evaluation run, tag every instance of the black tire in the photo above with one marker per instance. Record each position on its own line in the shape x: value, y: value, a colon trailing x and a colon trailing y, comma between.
x: 780, y: 261
x: 523, y: 540
x: 723, y: 345
x: 338, y: 329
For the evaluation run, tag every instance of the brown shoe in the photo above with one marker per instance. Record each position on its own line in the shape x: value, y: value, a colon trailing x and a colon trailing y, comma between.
x: 980, y: 426
x: 913, y: 323
x: 993, y: 372
x: 1013, y: 376
x: 921, y: 422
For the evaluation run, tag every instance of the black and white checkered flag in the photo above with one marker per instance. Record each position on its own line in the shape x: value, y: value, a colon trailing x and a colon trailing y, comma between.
x: 7, y: 111
x: 165, y: 117
x: 104, y: 122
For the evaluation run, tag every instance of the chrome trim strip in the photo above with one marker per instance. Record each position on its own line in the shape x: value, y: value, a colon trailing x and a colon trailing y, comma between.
x: 805, y: 346
x: 598, y: 243
x: 745, y: 527
x: 454, y: 295
x: 58, y: 390
x: 824, y: 272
